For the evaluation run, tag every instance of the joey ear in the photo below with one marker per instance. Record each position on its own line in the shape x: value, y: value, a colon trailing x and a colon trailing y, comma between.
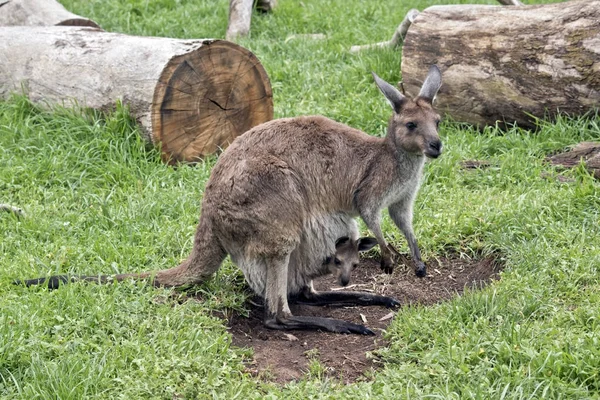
x: 341, y: 241
x: 366, y: 243
x: 393, y: 95
x: 432, y: 84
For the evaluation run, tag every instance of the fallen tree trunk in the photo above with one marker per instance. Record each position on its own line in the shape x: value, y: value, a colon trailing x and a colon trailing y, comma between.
x: 586, y: 152
x: 39, y: 13
x: 503, y: 63
x: 191, y: 96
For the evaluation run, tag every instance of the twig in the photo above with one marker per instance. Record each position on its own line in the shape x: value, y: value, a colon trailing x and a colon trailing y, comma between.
x: 398, y: 36
x: 353, y: 360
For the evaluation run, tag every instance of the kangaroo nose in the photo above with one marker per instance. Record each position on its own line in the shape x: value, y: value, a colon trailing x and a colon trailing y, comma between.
x: 434, y: 149
x: 435, y: 145
x: 344, y: 280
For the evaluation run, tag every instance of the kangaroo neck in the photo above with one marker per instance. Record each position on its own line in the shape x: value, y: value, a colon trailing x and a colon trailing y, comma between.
x: 405, y: 160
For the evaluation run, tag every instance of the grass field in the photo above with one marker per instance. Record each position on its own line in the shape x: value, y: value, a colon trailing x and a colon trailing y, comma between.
x: 98, y: 202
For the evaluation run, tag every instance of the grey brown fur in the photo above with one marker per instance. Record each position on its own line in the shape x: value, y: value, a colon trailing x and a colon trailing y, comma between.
x: 279, y: 178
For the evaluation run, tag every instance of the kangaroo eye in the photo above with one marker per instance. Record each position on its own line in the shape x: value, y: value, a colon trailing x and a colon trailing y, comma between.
x: 337, y: 261
x: 411, y: 125
x: 437, y: 123
x: 354, y: 266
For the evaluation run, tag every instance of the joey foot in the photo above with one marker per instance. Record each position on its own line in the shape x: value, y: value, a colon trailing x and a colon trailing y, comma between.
x: 387, y: 259
x: 387, y: 264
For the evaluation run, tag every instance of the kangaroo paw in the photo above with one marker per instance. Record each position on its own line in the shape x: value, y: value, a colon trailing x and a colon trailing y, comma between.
x: 420, y: 269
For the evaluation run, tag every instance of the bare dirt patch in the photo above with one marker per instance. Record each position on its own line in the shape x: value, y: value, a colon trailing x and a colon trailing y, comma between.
x: 284, y: 356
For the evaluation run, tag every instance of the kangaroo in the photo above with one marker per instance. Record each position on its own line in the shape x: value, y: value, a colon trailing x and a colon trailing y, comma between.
x: 280, y: 177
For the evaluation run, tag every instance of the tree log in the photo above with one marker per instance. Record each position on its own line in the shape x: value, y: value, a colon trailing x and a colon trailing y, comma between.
x: 586, y: 152
x: 503, y: 63
x: 39, y: 13
x: 191, y: 96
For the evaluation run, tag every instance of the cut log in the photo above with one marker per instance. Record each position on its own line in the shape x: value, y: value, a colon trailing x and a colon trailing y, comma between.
x: 39, y: 13
x: 503, y: 63
x: 191, y: 96
x: 586, y: 152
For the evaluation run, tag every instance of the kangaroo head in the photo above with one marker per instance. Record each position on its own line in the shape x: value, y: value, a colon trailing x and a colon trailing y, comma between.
x: 346, y: 257
x: 414, y: 125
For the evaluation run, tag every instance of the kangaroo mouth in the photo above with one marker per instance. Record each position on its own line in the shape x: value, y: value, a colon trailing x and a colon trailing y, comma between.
x: 433, y: 154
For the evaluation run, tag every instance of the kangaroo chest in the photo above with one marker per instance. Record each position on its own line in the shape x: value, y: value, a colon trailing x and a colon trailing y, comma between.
x: 404, y: 186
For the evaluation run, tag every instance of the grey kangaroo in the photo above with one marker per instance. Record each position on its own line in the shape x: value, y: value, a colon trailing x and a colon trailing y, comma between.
x: 278, y: 179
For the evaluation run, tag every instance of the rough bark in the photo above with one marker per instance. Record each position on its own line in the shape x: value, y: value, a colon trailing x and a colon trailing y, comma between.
x: 192, y: 96
x: 502, y: 63
x: 586, y: 152
x: 39, y: 13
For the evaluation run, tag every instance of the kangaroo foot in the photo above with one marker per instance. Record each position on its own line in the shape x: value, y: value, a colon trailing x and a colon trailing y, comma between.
x: 420, y: 269
x: 316, y: 324
x: 345, y: 299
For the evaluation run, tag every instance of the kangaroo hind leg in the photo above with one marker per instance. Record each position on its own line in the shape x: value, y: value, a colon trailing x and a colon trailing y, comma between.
x: 277, y: 311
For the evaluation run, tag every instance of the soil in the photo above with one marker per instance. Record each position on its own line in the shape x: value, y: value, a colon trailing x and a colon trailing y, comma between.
x: 282, y: 356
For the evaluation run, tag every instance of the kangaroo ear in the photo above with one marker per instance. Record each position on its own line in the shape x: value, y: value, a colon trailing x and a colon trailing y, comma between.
x: 393, y: 95
x: 366, y: 243
x: 341, y: 241
x: 432, y: 84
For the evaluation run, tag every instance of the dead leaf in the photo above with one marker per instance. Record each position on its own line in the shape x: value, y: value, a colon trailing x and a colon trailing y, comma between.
x: 290, y: 337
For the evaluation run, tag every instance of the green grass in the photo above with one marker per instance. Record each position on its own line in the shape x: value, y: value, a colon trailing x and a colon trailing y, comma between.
x: 98, y: 201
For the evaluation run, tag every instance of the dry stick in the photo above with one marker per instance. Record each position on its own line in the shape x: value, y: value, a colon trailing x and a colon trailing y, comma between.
x: 398, y: 35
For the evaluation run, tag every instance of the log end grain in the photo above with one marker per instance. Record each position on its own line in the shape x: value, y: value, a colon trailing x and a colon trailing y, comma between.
x: 206, y: 98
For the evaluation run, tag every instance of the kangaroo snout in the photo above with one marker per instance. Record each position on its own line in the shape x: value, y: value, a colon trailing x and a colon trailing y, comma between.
x: 344, y: 279
x: 434, y: 149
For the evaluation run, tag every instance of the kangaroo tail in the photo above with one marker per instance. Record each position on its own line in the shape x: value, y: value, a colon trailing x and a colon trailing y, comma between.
x: 55, y: 281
